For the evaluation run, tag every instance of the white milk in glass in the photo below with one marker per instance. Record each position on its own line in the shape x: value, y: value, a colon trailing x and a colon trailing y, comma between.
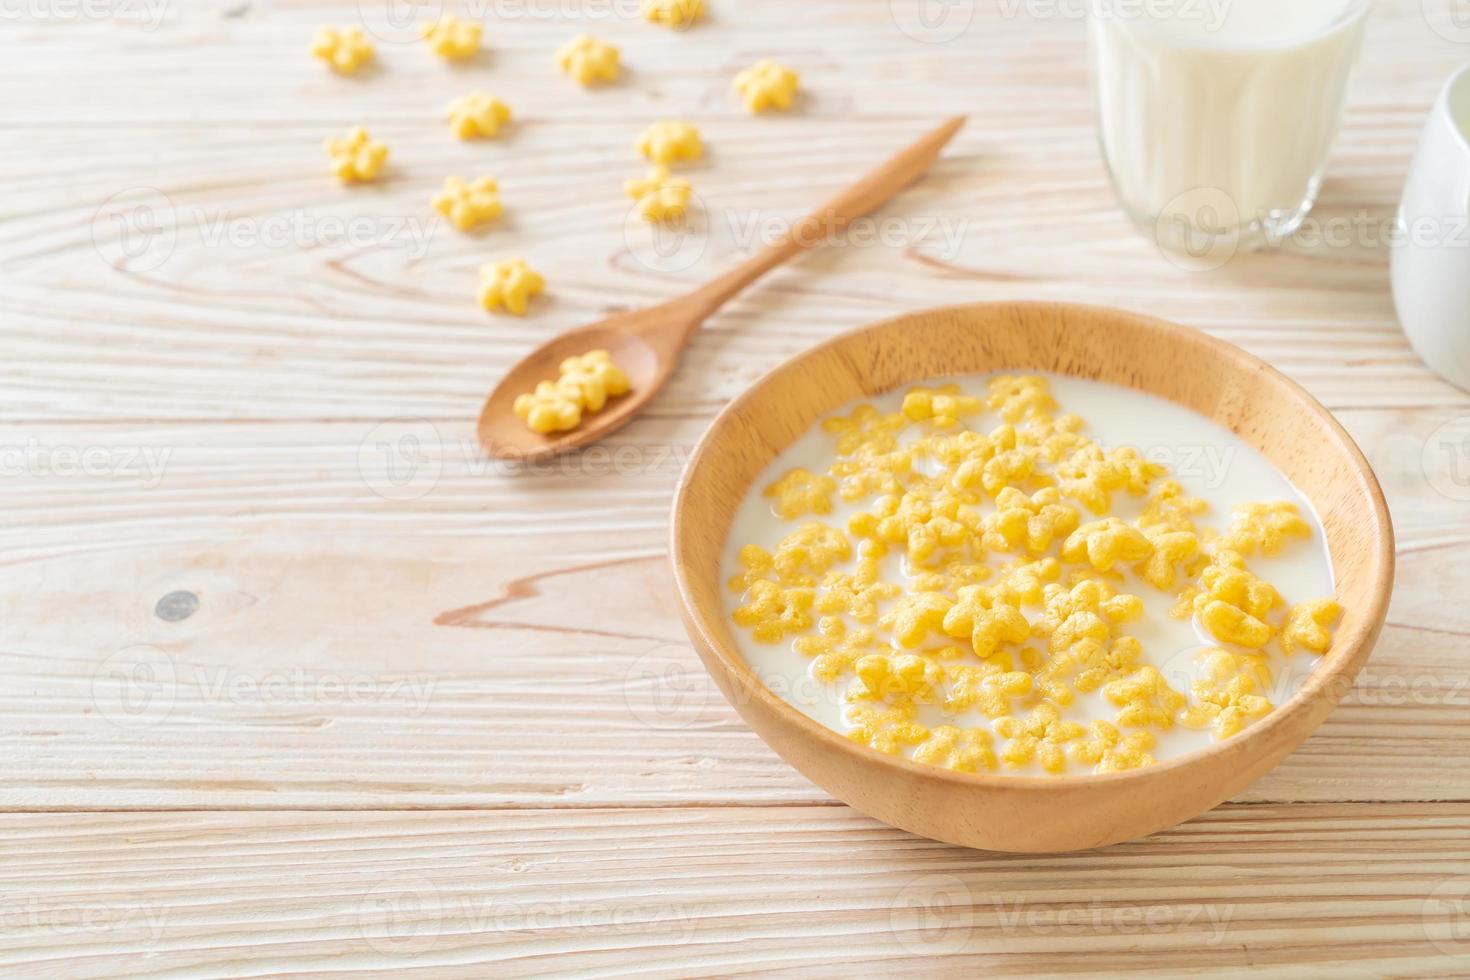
x: 1217, y: 116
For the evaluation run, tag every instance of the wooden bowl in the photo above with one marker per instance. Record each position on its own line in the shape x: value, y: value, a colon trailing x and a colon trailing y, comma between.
x: 1013, y: 812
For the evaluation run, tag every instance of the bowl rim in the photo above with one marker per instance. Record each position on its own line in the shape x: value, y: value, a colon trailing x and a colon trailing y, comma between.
x: 1345, y: 655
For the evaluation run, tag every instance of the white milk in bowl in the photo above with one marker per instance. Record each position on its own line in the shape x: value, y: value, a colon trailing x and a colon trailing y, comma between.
x: 1216, y: 117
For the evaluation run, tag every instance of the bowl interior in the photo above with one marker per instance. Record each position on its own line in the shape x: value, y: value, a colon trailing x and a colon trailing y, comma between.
x: 1217, y: 380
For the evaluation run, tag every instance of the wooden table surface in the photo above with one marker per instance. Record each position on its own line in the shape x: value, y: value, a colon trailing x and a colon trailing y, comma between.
x: 294, y: 680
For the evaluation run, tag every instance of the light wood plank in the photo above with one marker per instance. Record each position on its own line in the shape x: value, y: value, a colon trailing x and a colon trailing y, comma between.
x: 1318, y: 891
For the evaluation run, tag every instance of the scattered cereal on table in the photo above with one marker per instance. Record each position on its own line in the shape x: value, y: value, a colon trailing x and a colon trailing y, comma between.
x: 477, y: 115
x: 453, y: 38
x: 669, y: 141
x: 767, y: 85
x: 509, y: 285
x: 588, y: 60
x: 468, y: 204
x: 676, y: 14
x: 660, y: 196
x: 345, y: 50
x: 357, y: 157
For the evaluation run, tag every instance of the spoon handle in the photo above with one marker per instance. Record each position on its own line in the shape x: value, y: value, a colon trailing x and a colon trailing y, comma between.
x: 819, y: 227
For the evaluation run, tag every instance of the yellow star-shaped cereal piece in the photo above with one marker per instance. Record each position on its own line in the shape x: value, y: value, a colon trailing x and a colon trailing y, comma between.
x: 943, y: 406
x: 477, y: 115
x: 980, y: 615
x: 1108, y: 750
x: 468, y: 204
x: 357, y: 156
x: 550, y: 408
x: 960, y: 749
x: 772, y: 612
x: 588, y: 60
x: 345, y: 50
x: 767, y: 85
x: 1017, y: 397
x: 1146, y: 699
x: 595, y: 378
x: 453, y: 38
x: 1308, y: 626
x: 509, y: 285
x: 669, y: 141
x: 887, y: 729
x: 676, y: 14
x: 1264, y: 527
x: 660, y: 195
x: 1103, y: 544
x: 1042, y: 736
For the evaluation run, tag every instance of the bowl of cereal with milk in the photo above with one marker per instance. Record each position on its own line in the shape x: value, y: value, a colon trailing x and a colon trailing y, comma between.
x: 1031, y: 576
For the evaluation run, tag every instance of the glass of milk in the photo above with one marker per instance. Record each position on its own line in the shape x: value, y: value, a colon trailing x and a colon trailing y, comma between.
x: 1216, y: 116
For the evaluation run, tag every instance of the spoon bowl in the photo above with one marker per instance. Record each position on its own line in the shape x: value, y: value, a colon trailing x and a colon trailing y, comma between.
x: 504, y: 436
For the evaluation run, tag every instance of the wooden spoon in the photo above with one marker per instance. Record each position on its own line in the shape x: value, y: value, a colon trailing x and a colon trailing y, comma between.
x: 646, y: 343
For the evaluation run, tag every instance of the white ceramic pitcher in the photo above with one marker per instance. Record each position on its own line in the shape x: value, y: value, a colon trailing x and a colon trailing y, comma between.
x: 1431, y: 246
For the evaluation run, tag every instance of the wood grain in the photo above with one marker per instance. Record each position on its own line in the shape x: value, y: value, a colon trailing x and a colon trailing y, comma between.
x: 261, y: 370
x: 1350, y: 891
